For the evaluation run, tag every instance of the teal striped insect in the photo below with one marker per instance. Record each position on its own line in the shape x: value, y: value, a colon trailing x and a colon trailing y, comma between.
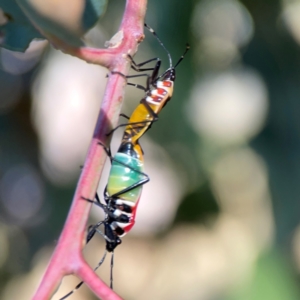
x: 123, y: 191
x: 121, y: 195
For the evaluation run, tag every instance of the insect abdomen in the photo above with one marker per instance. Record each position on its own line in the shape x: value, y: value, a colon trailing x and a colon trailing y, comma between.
x: 122, y: 177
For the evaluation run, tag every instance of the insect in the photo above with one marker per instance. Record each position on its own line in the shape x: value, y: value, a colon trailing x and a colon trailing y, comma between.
x: 123, y: 190
x: 158, y: 92
x: 121, y: 195
x: 126, y: 178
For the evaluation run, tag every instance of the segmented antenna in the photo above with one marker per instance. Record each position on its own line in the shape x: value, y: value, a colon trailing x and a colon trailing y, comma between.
x: 81, y: 283
x: 187, y: 48
x: 154, y: 33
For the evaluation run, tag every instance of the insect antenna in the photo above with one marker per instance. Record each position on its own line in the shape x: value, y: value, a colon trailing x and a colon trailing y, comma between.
x: 187, y: 48
x: 161, y: 43
x: 92, y: 230
x: 81, y: 283
x: 111, y: 269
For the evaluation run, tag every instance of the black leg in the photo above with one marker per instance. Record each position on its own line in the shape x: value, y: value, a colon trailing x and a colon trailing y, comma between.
x: 155, y: 70
x: 107, y: 150
x: 131, y: 168
x: 129, y: 76
x: 131, y: 123
x: 138, y: 86
x: 127, y: 189
x: 150, y: 110
x: 125, y: 116
x: 136, y: 66
x: 92, y: 229
x: 151, y: 78
x: 111, y: 269
x: 133, y: 186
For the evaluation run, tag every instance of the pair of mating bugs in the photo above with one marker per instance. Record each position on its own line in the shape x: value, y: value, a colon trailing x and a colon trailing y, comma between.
x: 127, y: 177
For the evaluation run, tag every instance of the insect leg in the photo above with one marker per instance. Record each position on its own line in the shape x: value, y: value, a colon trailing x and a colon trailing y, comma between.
x: 132, y: 123
x: 136, y: 66
x: 154, y: 117
x: 125, y: 116
x: 111, y: 269
x: 107, y: 150
x: 152, y: 79
x: 133, y: 186
x: 151, y: 112
x: 127, y: 189
x: 93, y: 228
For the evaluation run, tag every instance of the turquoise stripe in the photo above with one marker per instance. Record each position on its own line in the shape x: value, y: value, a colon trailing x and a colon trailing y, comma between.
x: 121, y: 177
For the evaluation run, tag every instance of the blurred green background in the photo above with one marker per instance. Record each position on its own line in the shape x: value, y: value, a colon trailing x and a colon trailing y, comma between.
x: 220, y: 217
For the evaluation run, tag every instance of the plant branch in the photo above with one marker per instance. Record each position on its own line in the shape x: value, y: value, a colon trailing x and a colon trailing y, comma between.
x: 67, y: 257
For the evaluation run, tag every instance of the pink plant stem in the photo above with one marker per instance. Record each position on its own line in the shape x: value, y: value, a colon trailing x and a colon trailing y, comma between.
x: 67, y: 257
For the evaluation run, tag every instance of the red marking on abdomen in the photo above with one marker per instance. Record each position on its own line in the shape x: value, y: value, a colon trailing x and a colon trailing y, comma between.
x: 161, y: 92
x: 156, y: 98
x: 167, y: 83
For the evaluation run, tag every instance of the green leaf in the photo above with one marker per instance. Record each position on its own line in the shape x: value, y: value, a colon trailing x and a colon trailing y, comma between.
x: 92, y: 11
x: 18, y: 31
x: 66, y: 21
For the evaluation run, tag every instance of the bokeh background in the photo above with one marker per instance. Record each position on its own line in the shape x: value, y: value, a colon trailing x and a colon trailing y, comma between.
x: 220, y: 218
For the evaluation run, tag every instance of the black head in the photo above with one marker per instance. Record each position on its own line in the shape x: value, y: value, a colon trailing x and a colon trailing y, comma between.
x: 110, y: 246
x: 112, y: 240
x: 170, y: 74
